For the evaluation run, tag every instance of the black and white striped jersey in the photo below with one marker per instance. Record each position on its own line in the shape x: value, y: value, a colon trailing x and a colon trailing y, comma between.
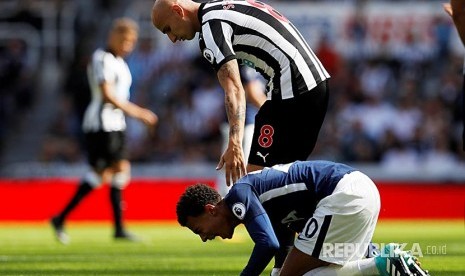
x: 101, y: 116
x: 260, y: 37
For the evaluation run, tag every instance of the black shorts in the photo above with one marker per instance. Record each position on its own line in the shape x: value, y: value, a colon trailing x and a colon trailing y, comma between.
x: 105, y: 148
x: 287, y: 130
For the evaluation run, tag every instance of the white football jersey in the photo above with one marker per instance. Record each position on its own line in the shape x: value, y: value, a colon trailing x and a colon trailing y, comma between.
x: 101, y: 116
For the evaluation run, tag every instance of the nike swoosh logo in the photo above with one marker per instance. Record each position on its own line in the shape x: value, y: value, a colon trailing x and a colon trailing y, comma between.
x: 300, y: 238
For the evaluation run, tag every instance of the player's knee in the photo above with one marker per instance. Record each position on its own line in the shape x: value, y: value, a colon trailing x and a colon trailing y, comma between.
x: 120, y: 180
x: 93, y: 179
x: 252, y: 167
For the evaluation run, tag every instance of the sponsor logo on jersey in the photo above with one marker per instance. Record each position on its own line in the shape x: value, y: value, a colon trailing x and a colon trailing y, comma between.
x: 248, y: 63
x: 238, y: 210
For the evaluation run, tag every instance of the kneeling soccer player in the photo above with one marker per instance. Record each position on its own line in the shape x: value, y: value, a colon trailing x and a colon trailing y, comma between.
x: 333, y: 208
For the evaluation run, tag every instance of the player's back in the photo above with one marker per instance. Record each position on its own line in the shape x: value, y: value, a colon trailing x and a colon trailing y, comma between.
x: 260, y: 37
x: 289, y: 193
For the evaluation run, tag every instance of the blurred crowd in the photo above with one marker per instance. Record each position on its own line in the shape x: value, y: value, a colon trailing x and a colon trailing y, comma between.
x: 400, y: 109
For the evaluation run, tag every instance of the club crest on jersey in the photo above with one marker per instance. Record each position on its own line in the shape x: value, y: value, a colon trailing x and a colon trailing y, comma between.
x: 208, y: 55
x: 239, y: 210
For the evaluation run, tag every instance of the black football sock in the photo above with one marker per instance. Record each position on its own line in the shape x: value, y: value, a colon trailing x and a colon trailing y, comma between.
x: 83, y: 190
x: 115, y: 198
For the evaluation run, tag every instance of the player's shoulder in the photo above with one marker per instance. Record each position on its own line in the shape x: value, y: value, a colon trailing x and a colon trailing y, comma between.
x: 241, y: 189
x: 98, y: 56
x: 103, y: 55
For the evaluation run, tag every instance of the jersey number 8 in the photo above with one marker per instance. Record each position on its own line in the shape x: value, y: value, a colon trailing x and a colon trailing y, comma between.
x: 269, y: 8
x: 265, y: 140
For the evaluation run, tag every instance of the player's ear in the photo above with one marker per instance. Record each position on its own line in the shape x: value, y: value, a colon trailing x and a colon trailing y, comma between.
x: 177, y: 10
x: 210, y: 209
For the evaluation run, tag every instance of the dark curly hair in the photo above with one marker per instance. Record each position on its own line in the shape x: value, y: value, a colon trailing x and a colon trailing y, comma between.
x: 193, y: 200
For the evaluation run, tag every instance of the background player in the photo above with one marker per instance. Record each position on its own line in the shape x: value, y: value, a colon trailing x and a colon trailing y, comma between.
x: 328, y: 204
x: 104, y: 125
x: 288, y: 123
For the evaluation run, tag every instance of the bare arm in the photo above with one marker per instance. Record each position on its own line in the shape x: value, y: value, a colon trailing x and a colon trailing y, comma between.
x: 131, y: 109
x: 456, y: 9
x: 233, y: 157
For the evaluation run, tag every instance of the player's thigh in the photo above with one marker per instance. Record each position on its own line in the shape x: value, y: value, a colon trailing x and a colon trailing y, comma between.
x: 104, y: 149
x: 96, y: 143
x: 281, y: 135
x: 299, y: 263
x: 122, y: 165
x: 343, y: 223
x: 310, y: 110
x: 272, y: 143
x: 287, y: 130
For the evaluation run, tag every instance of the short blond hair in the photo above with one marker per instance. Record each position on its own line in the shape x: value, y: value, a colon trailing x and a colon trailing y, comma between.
x: 124, y: 25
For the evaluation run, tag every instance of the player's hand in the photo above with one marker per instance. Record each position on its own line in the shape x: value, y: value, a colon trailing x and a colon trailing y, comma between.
x: 233, y: 162
x: 148, y: 117
x: 447, y: 8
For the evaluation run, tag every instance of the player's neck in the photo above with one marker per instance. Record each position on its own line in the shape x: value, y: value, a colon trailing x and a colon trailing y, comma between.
x: 194, y: 15
x: 228, y: 213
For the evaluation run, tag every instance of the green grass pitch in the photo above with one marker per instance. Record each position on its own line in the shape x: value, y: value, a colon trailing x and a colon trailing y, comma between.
x: 168, y: 249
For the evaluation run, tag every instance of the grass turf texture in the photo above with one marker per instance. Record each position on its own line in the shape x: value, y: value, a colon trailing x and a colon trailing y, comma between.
x: 168, y: 249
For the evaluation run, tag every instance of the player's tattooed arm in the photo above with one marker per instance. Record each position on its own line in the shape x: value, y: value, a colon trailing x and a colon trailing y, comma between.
x: 233, y: 157
x: 229, y: 78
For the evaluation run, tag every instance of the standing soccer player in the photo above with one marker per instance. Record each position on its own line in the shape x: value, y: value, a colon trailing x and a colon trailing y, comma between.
x: 254, y: 34
x: 333, y: 207
x: 104, y: 125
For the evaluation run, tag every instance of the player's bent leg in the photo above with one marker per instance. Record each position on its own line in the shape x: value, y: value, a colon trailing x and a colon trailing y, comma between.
x: 365, y: 267
x: 252, y: 168
x: 342, y: 226
x: 298, y: 263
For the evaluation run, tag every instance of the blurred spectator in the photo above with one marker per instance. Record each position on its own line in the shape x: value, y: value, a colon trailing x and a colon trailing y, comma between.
x: 328, y: 56
x: 407, y: 115
x: 375, y: 77
x: 439, y: 157
x: 17, y: 80
x: 25, y: 13
x: 400, y: 157
x: 357, y: 146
